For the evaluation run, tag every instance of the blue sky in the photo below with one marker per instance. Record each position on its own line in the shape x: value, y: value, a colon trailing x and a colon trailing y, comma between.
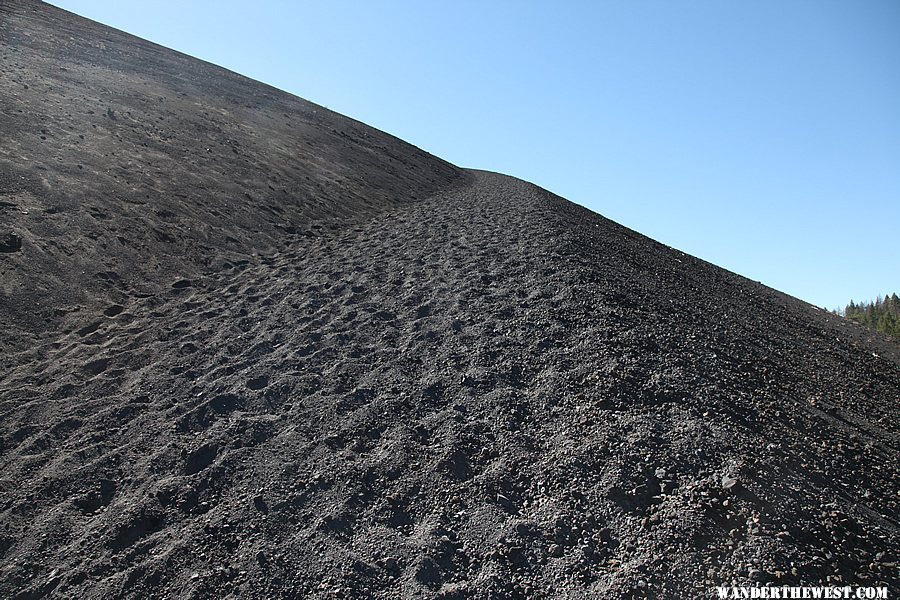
x: 761, y: 136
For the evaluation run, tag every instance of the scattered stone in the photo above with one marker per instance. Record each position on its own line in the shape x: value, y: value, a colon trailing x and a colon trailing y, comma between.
x: 730, y: 484
x: 756, y: 575
x: 539, y: 318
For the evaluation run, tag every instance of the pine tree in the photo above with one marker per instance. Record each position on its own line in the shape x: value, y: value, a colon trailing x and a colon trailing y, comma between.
x: 882, y: 314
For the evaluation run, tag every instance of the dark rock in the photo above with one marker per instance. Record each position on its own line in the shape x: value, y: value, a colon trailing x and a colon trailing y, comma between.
x: 260, y: 503
x: 10, y: 242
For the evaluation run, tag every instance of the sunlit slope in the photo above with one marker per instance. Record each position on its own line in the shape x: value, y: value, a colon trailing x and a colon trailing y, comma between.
x: 255, y: 349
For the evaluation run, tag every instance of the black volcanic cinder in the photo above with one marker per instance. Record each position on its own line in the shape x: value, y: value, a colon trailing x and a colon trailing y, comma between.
x: 255, y: 349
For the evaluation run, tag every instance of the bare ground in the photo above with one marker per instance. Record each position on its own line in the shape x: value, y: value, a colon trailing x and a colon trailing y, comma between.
x: 386, y: 376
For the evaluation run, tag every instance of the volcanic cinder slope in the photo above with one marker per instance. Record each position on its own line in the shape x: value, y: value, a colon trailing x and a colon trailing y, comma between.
x: 252, y: 348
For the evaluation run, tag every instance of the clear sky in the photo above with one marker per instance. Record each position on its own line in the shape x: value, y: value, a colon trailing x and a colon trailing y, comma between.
x: 761, y: 136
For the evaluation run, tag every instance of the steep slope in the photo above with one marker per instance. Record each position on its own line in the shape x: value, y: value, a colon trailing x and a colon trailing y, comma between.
x: 485, y: 391
x: 124, y: 164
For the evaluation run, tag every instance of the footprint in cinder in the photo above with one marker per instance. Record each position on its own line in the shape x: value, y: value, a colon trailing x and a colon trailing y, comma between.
x: 113, y: 310
x: 182, y: 284
x: 385, y: 315
x: 258, y: 383
x: 94, y: 339
x: 64, y: 391
x: 108, y: 276
x: 95, y: 367
x: 199, y: 459
x: 89, y: 329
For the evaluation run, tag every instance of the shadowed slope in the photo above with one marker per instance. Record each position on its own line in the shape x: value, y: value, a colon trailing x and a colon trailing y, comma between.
x: 485, y: 392
x: 125, y: 165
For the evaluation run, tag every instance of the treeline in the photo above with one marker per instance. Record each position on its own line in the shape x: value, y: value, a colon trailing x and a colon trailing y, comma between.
x: 883, y: 314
